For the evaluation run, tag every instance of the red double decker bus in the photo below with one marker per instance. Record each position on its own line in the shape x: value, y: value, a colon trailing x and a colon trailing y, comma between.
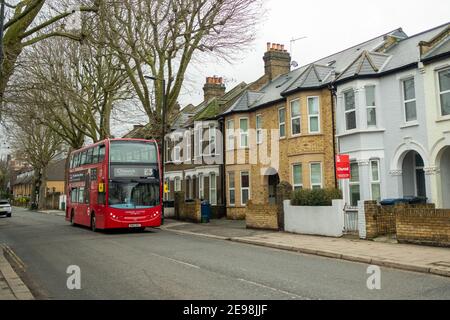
x: 114, y: 184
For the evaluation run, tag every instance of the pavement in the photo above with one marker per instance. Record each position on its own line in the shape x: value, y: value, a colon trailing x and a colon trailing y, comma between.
x: 11, y: 286
x: 424, y: 259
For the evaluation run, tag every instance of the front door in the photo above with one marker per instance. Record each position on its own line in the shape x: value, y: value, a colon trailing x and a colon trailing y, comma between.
x: 274, y: 180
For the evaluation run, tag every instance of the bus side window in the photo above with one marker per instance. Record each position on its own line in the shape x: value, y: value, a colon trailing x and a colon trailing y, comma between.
x: 95, y: 155
x: 73, y: 195
x: 101, y: 153
x: 83, y: 158
x: 76, y: 160
x: 89, y: 156
x: 71, y: 161
x: 81, y: 195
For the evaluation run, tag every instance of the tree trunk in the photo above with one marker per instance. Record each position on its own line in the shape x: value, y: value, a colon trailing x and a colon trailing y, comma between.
x: 34, y: 186
x: 43, y: 190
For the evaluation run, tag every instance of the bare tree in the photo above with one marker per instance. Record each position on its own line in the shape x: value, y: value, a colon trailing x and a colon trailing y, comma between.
x: 29, y: 22
x: 161, y: 37
x: 38, y: 145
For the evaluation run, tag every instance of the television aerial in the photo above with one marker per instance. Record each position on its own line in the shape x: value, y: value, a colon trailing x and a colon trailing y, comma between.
x: 292, y: 42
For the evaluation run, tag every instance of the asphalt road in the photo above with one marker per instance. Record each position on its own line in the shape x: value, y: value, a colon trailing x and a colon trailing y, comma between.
x: 158, y: 264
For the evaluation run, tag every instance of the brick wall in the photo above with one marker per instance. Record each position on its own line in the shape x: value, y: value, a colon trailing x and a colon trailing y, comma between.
x: 424, y: 226
x: 262, y: 216
x: 420, y: 223
x: 236, y: 213
x: 188, y: 211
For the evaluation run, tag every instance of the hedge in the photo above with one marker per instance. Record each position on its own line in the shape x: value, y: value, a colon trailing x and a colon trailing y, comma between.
x: 314, y: 198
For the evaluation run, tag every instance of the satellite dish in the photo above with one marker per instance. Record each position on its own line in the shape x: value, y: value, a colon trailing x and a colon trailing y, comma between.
x: 294, y: 64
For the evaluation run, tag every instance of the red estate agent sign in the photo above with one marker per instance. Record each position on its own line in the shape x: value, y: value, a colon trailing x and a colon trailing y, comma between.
x: 343, y: 166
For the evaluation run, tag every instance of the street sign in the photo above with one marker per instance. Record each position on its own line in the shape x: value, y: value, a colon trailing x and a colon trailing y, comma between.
x: 343, y: 167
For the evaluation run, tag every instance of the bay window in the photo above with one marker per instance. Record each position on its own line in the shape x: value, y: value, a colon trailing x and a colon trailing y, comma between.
x: 245, y: 187
x: 375, y: 179
x: 259, y: 136
x: 444, y: 92
x: 316, y: 175
x: 230, y: 135
x: 295, y: 117
x: 243, y: 129
x: 282, y: 122
x: 313, y: 114
x: 350, y: 110
x: 231, y: 189
x: 297, y: 177
x: 371, y: 106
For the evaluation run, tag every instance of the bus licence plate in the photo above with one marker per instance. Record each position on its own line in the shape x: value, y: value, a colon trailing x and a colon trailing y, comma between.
x: 136, y: 225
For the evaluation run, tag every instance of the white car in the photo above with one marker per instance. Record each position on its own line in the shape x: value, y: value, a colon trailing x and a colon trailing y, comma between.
x: 5, y: 208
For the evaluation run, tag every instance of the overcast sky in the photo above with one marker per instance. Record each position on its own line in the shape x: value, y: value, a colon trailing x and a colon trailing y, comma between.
x: 329, y: 25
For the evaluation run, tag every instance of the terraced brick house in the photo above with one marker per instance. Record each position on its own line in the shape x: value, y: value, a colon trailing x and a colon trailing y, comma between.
x: 194, y: 149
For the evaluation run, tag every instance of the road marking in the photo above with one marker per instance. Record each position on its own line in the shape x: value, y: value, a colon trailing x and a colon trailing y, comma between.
x: 293, y: 295
x: 176, y: 261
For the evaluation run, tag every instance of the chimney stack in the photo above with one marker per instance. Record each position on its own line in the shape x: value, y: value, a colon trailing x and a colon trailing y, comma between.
x: 277, y: 60
x: 213, y: 88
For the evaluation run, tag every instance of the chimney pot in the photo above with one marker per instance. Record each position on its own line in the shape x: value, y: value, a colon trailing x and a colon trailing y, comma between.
x: 268, y: 46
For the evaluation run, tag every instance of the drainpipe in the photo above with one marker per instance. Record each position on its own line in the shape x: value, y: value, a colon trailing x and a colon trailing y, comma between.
x: 332, y: 89
x: 222, y: 166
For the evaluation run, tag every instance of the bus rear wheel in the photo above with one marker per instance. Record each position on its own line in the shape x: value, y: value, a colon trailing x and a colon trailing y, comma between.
x: 93, y: 223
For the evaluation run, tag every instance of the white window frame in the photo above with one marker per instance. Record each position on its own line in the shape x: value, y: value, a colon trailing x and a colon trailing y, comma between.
x: 188, y: 153
x: 299, y: 117
x: 295, y: 185
x: 213, y: 189
x: 368, y: 108
x: 354, y: 183
x: 242, y: 173
x: 242, y: 133
x: 346, y: 112
x: 177, y: 153
x: 372, y: 181
x: 282, y: 123
x: 231, y: 174
x: 314, y: 115
x: 441, y: 92
x: 201, y: 186
x: 177, y: 184
x: 310, y: 175
x: 410, y: 100
x: 259, y: 130
x: 231, y: 139
x: 212, y: 139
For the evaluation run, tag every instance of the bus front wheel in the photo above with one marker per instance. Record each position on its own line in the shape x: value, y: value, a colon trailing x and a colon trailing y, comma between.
x: 93, y: 223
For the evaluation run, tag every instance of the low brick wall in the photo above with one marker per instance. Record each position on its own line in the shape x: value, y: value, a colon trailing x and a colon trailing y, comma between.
x: 188, y: 211
x: 424, y: 226
x: 419, y: 223
x: 234, y: 213
x: 262, y: 216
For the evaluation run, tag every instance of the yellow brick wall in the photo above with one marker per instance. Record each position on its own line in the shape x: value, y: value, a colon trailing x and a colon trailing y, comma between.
x: 262, y: 216
x: 304, y: 149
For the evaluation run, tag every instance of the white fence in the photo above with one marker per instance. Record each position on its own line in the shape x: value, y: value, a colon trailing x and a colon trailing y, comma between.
x: 323, y: 221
